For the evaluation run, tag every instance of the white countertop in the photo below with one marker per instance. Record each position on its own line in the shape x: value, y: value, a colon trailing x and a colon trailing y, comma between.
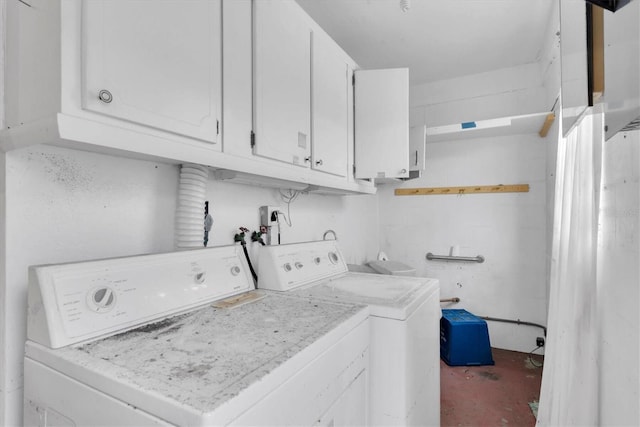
x: 200, y: 360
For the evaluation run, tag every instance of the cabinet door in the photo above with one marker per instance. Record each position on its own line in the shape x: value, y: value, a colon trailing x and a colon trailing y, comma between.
x: 622, y: 68
x: 154, y: 63
x: 417, y: 145
x: 282, y: 81
x: 573, y: 51
x: 330, y: 106
x: 382, y: 123
x: 237, y: 76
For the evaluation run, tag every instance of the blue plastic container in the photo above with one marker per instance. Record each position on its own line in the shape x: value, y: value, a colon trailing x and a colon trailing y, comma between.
x: 464, y: 339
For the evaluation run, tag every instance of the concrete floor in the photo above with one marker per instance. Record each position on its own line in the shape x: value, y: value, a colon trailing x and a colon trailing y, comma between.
x: 498, y: 395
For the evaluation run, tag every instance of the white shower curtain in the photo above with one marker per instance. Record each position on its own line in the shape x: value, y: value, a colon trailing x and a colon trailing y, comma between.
x: 569, y: 394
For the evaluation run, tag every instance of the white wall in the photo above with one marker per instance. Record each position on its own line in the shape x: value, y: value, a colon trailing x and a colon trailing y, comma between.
x: 618, y: 278
x: 3, y: 289
x: 67, y: 206
x: 3, y: 319
x: 550, y: 71
x: 499, y: 93
x: 550, y: 59
x: 64, y: 205
x: 353, y: 218
x: 507, y: 229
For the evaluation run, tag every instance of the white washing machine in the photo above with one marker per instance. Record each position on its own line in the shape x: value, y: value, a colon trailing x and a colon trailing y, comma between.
x: 405, y: 325
x: 183, y: 339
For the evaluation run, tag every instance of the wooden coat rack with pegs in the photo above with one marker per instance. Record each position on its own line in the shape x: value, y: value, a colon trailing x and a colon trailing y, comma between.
x: 477, y: 189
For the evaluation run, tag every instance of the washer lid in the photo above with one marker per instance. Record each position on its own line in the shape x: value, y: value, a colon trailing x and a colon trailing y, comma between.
x: 391, y: 267
x: 393, y: 297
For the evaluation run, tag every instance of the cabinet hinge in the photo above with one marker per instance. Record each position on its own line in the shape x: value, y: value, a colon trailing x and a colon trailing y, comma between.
x: 253, y: 139
x: 217, y: 127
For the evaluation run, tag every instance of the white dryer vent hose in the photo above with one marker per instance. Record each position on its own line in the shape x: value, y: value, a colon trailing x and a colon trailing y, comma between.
x: 190, y: 208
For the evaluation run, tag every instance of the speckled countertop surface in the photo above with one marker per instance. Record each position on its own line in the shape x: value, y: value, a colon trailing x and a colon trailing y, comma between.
x: 204, y: 358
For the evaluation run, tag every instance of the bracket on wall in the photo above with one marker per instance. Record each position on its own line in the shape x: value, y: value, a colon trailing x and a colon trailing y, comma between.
x: 548, y: 121
x: 432, y: 191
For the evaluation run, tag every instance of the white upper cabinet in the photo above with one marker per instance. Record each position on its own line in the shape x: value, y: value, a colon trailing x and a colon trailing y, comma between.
x: 622, y: 69
x: 237, y: 77
x: 157, y: 64
x: 132, y: 78
x: 382, y: 123
x: 331, y: 75
x: 573, y: 52
x: 143, y: 79
x: 417, y: 146
x: 282, y: 82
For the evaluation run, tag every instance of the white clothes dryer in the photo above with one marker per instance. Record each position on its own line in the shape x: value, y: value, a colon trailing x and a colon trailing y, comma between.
x: 405, y: 318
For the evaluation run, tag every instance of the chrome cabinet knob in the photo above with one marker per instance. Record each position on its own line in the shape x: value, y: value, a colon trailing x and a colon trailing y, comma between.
x: 105, y: 96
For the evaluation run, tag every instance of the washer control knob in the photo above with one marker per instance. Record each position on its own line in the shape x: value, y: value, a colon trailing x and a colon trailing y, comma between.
x: 316, y: 260
x: 287, y: 267
x: 102, y: 299
x: 299, y: 265
x: 235, y: 270
x: 333, y: 257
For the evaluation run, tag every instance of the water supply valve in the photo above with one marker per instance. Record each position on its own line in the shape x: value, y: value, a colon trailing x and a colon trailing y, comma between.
x: 268, y: 219
x: 239, y: 237
x: 256, y: 236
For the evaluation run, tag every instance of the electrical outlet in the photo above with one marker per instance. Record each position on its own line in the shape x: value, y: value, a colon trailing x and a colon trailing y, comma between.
x: 540, y: 342
x: 268, y: 215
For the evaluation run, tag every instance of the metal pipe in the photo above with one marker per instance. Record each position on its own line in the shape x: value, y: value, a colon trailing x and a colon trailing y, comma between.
x: 517, y: 322
x: 456, y: 299
x: 478, y: 259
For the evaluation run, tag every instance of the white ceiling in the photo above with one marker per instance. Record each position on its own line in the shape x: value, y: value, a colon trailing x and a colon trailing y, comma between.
x: 436, y: 39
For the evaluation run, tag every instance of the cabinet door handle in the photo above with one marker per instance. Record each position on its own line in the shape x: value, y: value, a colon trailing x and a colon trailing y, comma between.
x: 105, y: 96
x: 319, y: 162
x: 307, y: 159
x: 416, y: 163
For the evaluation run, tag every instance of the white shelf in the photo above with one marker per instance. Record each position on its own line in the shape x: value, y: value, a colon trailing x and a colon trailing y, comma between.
x: 514, y: 125
x: 128, y: 141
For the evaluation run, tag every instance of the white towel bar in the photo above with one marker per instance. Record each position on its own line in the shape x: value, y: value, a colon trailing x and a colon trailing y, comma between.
x: 478, y: 259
